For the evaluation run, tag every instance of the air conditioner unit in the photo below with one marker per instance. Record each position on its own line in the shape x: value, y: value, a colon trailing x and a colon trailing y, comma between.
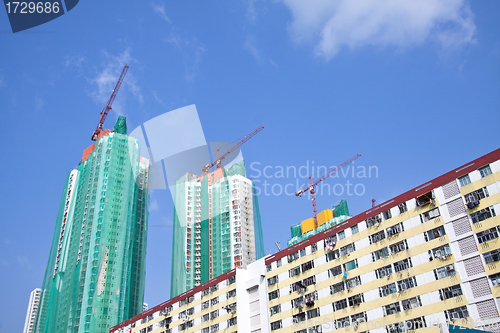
x: 360, y: 320
x: 450, y: 268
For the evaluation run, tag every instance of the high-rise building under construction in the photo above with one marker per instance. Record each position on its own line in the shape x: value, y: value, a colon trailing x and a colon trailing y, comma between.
x: 217, y: 226
x: 96, y: 269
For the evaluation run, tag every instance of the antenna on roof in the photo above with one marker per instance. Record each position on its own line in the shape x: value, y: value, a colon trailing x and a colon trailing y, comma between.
x: 278, y: 245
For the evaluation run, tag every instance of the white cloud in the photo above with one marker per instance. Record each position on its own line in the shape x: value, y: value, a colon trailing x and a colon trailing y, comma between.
x: 334, y: 25
x: 39, y: 103
x: 73, y: 61
x: 250, y: 46
x: 106, y: 77
x: 153, y: 205
x: 192, y: 51
x: 160, y: 9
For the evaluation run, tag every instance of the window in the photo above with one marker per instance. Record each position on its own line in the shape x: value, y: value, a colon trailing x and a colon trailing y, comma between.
x: 377, y: 237
x: 307, y: 266
x: 278, y: 263
x: 274, y: 294
x: 411, y: 303
x: 214, y: 301
x: 231, y: 321
x: 214, y: 314
x: 205, y: 305
x: 313, y: 313
x: 485, y: 171
x: 342, y: 323
x: 302, y: 252
x: 299, y: 318
x: 341, y: 234
x: 373, y: 221
x: 457, y: 313
x: 338, y: 287
x: 345, y: 250
x: 483, y: 214
x: 205, y: 317
x: 276, y: 325
x: 392, y: 309
x: 358, y: 318
x: 394, y: 230
x: 425, y: 199
x: 205, y: 330
x: 398, y: 247
x: 429, y: 215
x: 487, y: 235
x: 450, y: 292
x: 383, y: 272
x: 402, y: 208
x: 387, y: 214
x: 441, y: 252
x: 354, y: 229
x: 232, y: 293
x: 311, y: 296
x: 275, y: 309
x: 381, y: 253
x: 434, y: 233
x: 407, y: 283
x: 214, y: 288
x: 492, y: 256
x: 444, y: 272
x: 415, y: 324
x: 332, y: 255
x: 214, y: 328
x: 294, y: 271
x: 387, y: 290
x: 350, y: 265
x: 464, y: 180
x: 297, y: 301
x: 314, y: 247
x: 351, y: 283
x: 356, y: 300
x: 293, y: 256
x: 268, y: 268
x: 402, y: 265
x: 339, y: 305
x: 271, y: 281
x: 472, y: 199
x: 232, y: 279
x: 337, y: 270
x: 495, y: 279
x: 309, y: 281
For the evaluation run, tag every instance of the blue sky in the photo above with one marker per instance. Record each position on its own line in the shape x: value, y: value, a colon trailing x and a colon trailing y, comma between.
x: 412, y: 86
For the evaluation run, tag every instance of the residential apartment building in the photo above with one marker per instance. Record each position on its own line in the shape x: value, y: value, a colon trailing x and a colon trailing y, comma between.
x: 96, y: 269
x: 417, y: 262
x: 32, y: 310
x: 216, y: 226
x: 424, y: 258
x: 232, y: 302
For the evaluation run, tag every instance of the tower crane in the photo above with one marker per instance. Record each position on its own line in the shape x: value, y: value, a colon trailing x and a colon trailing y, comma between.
x: 218, y: 161
x: 105, y: 111
x: 312, y: 185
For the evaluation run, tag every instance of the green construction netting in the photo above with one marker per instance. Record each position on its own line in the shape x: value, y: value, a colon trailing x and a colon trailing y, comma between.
x: 212, y: 236
x: 340, y: 213
x: 340, y: 209
x: 96, y: 269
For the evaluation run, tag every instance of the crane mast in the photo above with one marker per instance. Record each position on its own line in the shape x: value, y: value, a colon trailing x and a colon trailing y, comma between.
x: 106, y: 109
